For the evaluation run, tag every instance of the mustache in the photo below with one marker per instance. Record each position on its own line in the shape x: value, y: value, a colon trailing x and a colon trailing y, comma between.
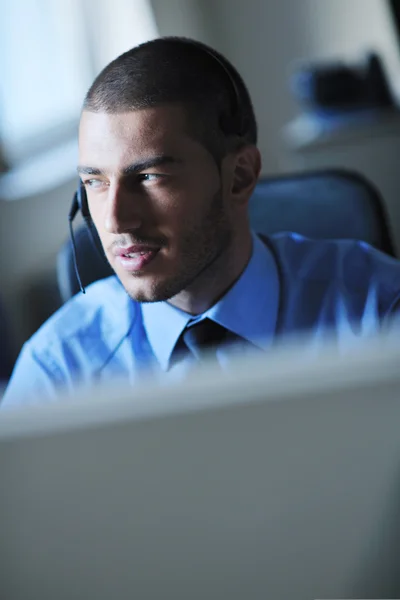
x: 137, y: 239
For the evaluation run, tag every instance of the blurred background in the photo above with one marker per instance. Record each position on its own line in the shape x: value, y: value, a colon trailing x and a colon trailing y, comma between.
x: 290, y: 54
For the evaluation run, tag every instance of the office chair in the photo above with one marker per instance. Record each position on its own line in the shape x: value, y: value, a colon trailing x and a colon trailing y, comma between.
x: 324, y: 204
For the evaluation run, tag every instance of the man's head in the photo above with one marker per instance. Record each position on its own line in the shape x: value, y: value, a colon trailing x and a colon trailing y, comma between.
x: 168, y: 160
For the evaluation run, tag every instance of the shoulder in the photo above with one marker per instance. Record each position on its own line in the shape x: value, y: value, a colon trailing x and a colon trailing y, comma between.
x: 341, y: 285
x: 68, y: 349
x: 104, y: 308
x: 350, y: 261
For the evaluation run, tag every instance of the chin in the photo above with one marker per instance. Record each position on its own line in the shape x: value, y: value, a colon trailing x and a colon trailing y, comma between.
x: 155, y: 284
x: 146, y: 291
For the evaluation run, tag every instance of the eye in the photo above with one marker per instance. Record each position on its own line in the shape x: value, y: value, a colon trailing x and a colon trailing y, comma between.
x: 149, y: 177
x: 94, y: 183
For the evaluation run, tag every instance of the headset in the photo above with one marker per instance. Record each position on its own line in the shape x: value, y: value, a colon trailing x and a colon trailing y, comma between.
x: 232, y: 124
x: 80, y: 203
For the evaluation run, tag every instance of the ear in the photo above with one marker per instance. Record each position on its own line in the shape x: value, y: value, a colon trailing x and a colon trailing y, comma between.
x: 246, y: 171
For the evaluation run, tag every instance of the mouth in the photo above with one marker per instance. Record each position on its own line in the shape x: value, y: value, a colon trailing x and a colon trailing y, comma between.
x: 135, y: 258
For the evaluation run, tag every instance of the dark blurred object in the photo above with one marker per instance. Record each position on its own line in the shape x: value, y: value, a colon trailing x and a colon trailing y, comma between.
x: 41, y: 299
x: 321, y: 204
x: 4, y: 167
x: 394, y: 11
x: 7, y: 354
x: 338, y: 87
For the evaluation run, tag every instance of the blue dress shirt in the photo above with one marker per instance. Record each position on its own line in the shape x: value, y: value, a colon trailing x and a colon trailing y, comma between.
x: 290, y: 284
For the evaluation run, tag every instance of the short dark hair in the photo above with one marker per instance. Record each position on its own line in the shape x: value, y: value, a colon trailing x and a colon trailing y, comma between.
x: 181, y: 71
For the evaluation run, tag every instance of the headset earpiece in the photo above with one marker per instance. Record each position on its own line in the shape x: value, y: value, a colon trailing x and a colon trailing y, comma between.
x: 80, y: 203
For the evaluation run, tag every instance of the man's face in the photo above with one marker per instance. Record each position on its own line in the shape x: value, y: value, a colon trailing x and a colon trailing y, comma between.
x: 156, y: 199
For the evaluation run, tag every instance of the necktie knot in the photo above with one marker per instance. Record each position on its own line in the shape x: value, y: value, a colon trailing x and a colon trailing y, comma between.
x: 201, y: 337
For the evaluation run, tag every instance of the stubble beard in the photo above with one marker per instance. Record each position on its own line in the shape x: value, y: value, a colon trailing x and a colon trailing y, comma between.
x: 199, y: 251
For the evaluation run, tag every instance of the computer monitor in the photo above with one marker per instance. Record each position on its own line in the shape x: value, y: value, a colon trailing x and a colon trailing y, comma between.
x: 281, y: 481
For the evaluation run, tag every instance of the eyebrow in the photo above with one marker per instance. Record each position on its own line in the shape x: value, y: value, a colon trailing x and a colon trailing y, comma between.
x: 136, y: 167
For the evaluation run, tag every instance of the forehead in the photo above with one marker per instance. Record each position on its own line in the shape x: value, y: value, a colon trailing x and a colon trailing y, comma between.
x: 114, y: 140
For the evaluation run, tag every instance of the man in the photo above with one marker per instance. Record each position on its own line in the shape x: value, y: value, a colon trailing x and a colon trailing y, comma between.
x: 168, y: 160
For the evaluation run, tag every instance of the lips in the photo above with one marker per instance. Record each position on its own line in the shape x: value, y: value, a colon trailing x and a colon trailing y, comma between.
x: 135, y: 258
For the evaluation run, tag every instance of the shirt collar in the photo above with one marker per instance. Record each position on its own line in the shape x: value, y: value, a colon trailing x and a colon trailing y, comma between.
x: 248, y: 309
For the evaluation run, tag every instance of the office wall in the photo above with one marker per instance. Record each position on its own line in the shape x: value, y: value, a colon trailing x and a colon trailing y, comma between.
x: 263, y: 38
x: 188, y: 18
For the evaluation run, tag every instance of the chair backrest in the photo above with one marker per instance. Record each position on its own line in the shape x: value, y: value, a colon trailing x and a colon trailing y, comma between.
x: 326, y: 204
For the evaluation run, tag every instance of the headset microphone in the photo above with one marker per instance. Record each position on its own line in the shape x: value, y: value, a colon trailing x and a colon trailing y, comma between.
x: 71, y: 216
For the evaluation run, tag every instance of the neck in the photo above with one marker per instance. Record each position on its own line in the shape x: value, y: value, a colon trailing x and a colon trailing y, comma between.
x: 216, y: 280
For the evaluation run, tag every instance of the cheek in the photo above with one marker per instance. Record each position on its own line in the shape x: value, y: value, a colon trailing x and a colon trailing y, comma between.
x: 191, y: 199
x: 182, y: 216
x: 176, y: 207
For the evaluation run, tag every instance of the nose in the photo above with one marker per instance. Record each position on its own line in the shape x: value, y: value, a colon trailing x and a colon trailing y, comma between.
x: 123, y: 212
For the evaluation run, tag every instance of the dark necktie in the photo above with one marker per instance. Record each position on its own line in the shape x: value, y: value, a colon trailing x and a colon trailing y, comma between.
x: 203, y: 338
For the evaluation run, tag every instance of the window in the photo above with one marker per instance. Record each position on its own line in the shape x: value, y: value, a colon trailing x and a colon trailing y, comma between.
x: 50, y: 52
